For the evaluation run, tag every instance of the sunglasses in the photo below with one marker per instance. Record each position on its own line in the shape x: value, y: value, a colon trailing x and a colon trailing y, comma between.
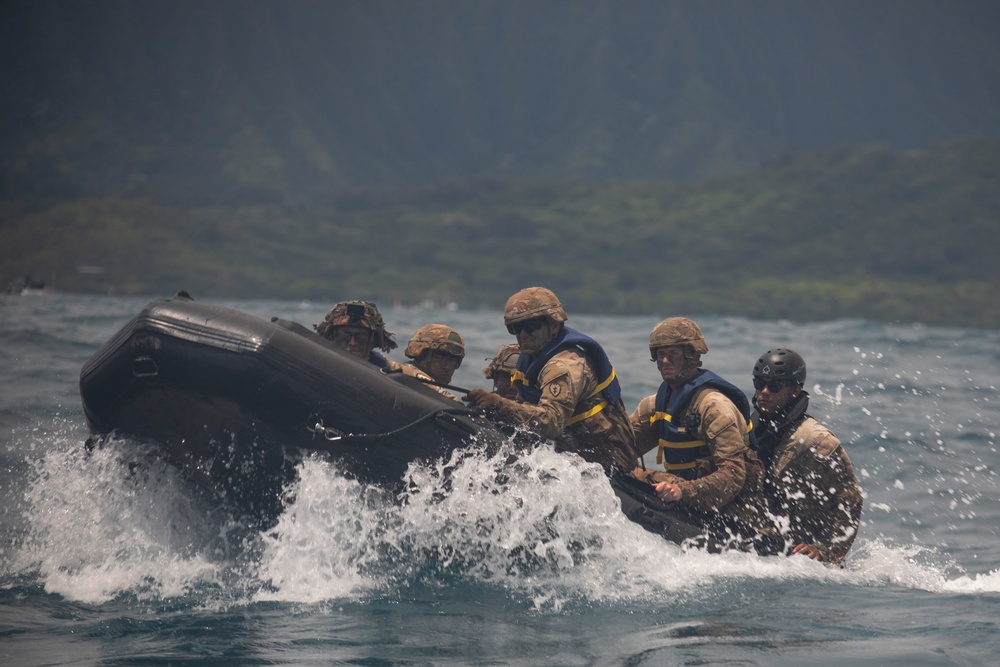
x: 773, y: 386
x: 528, y: 326
x: 342, y: 336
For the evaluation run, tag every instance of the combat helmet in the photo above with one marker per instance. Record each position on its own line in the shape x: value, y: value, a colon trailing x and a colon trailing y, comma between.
x: 435, y: 337
x: 505, y: 361
x: 782, y: 364
x: 532, y: 303
x: 361, y: 313
x: 677, y: 331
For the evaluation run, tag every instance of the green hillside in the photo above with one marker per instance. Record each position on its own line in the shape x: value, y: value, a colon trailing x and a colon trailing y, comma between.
x: 276, y: 102
x: 866, y: 232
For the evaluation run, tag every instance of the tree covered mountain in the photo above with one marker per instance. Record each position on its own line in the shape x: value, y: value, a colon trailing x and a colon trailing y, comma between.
x: 868, y: 232
x: 271, y: 101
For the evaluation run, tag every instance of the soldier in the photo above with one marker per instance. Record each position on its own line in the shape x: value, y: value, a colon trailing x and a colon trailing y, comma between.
x: 501, y: 370
x: 567, y: 386
x: 809, y: 480
x: 698, y: 421
x: 357, y: 327
x: 437, y: 351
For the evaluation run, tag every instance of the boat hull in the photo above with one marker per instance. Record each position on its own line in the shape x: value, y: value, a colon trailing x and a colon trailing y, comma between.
x: 235, y: 401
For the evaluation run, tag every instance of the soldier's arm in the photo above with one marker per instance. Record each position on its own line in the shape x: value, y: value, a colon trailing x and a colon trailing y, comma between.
x: 838, y: 528
x: 646, y: 434
x: 562, y: 383
x: 723, y: 429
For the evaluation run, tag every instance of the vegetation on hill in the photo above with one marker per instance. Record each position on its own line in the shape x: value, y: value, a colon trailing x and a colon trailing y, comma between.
x: 277, y: 102
x: 867, y: 232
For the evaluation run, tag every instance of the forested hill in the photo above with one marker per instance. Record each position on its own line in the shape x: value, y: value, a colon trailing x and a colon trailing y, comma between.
x: 296, y: 102
x: 870, y: 232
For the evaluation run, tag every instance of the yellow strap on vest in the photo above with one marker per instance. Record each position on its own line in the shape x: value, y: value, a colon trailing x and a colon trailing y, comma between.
x: 589, y: 413
x: 680, y: 466
x: 664, y: 444
x: 518, y: 375
x: 660, y: 416
x: 604, y: 385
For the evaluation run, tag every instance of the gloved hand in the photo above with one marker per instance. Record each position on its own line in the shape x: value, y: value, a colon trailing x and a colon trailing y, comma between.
x: 483, y: 399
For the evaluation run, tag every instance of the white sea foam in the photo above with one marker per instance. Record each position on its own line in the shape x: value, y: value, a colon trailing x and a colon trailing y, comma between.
x: 543, y: 527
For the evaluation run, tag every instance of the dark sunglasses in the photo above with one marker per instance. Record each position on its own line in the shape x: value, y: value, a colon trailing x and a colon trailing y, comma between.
x: 528, y: 326
x: 342, y: 336
x: 773, y: 386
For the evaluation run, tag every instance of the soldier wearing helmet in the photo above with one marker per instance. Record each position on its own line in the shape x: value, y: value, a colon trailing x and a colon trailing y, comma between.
x: 357, y: 327
x: 698, y: 422
x: 809, y: 480
x: 436, y: 351
x: 568, y: 389
x: 501, y: 370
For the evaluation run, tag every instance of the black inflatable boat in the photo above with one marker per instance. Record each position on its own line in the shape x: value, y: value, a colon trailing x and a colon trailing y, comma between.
x: 235, y: 401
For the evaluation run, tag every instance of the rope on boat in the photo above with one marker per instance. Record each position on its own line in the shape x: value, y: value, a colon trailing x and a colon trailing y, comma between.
x: 333, y: 435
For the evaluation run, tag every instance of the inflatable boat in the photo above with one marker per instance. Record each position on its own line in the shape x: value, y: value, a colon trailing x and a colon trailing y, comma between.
x: 235, y: 402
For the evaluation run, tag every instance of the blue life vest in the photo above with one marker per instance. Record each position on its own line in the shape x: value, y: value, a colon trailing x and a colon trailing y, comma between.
x: 377, y: 359
x: 525, y: 378
x: 679, y: 452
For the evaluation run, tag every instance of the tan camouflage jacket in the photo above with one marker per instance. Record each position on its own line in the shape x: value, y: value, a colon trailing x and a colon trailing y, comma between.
x: 732, y: 474
x: 812, y: 482
x: 565, y: 382
x: 414, y: 372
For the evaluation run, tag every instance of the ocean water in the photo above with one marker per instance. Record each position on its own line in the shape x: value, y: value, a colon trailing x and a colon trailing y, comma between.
x: 113, y: 559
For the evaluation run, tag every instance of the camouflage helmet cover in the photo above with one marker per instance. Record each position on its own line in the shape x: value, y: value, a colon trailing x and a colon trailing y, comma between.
x: 435, y: 337
x: 677, y: 331
x: 782, y: 364
x: 358, y: 313
x: 532, y: 303
x: 505, y: 361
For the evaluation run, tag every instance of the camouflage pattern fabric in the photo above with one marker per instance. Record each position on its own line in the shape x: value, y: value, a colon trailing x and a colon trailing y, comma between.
x: 677, y: 331
x: 505, y: 361
x: 435, y: 337
x: 362, y: 313
x: 414, y: 372
x: 565, y: 381
x: 731, y: 481
x: 812, y: 482
x: 531, y: 303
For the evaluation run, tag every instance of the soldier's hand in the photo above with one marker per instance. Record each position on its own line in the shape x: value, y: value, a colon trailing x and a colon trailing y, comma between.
x: 642, y: 474
x: 667, y: 491
x: 483, y: 399
x: 807, y: 550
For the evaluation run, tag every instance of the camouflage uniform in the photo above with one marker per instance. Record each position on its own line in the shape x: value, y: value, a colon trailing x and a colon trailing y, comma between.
x: 565, y: 381
x: 731, y: 480
x: 812, y: 483
x: 566, y: 384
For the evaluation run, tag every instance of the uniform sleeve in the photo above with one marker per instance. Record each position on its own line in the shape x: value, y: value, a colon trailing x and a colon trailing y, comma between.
x: 822, y: 497
x: 562, y: 382
x: 724, y: 431
x: 413, y: 371
x: 646, y: 434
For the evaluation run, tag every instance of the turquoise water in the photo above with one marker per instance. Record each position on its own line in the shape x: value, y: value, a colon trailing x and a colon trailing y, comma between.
x: 114, y: 560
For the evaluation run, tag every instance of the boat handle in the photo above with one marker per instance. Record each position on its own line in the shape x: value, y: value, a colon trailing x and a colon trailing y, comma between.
x: 144, y: 367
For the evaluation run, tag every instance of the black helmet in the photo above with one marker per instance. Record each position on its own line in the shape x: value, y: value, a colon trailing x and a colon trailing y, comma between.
x: 782, y: 364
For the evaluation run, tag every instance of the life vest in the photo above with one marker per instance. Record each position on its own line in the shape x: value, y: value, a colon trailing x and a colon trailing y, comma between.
x: 377, y: 359
x: 525, y: 378
x: 678, y: 451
